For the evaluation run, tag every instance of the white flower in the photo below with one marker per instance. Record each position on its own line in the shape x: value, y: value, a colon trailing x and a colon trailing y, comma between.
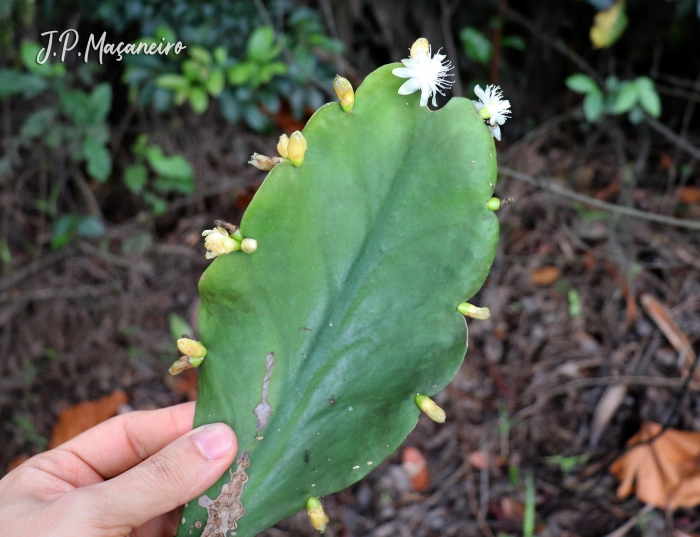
x: 218, y: 242
x: 493, y: 108
x: 424, y: 73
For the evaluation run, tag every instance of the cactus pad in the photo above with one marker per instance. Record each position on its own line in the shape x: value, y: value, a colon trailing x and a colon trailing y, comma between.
x: 319, y: 341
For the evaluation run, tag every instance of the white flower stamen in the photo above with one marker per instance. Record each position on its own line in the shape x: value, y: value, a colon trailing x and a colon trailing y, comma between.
x: 493, y: 108
x: 424, y: 73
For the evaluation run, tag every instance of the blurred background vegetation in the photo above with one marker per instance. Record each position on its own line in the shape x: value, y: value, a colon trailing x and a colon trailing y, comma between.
x: 109, y: 173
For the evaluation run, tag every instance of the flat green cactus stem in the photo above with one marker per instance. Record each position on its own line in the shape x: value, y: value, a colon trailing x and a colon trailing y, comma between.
x: 319, y: 342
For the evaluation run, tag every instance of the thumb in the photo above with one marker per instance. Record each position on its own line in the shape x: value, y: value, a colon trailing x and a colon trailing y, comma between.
x: 171, y: 477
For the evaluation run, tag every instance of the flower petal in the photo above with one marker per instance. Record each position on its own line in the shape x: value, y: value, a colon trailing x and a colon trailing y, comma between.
x: 496, y: 132
x: 479, y: 92
x: 410, y: 86
x: 424, y: 96
x: 402, y: 72
x: 479, y: 105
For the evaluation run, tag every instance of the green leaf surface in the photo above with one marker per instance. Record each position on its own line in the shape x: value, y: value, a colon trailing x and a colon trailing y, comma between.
x: 28, y: 52
x: 199, y: 100
x: 13, y: 82
x: 241, y: 73
x: 135, y: 177
x: 172, y: 81
x: 593, y: 106
x: 215, y: 82
x: 76, y: 106
x: 261, y: 44
x: 476, y: 45
x: 38, y: 123
x: 175, y: 166
x: 99, y: 161
x: 648, y: 96
x: 581, y: 83
x: 626, y: 98
x: 364, y: 253
x: 182, y: 185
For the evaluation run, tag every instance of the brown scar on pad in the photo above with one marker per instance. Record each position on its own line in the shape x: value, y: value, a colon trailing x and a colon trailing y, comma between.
x: 223, y: 512
x: 263, y: 409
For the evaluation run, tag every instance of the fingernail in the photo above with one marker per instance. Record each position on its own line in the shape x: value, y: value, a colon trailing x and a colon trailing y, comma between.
x: 214, y: 441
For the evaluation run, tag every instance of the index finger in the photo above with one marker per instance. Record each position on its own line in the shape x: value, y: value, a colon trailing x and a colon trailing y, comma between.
x: 122, y: 442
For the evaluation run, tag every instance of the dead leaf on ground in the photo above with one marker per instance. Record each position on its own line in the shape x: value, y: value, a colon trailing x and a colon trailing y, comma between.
x: 186, y: 383
x: 83, y: 416
x: 689, y: 194
x: 663, y: 318
x: 416, y: 467
x: 545, y: 276
x: 664, y: 473
x: 479, y: 460
x: 605, y: 410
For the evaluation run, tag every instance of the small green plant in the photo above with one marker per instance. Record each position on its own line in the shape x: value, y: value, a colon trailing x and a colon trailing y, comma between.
x: 247, y: 68
x: 530, y: 500
x: 631, y: 97
x: 202, y: 75
x: 155, y: 174
x: 478, y: 48
x: 568, y: 464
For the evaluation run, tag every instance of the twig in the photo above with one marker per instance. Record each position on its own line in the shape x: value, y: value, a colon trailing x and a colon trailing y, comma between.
x: 677, y: 92
x: 578, y: 384
x: 681, y: 142
x: 34, y: 267
x: 551, y: 186
x: 496, y: 42
x: 541, y: 129
x: 445, y: 19
x: 676, y: 405
x: 622, y: 530
x: 51, y: 293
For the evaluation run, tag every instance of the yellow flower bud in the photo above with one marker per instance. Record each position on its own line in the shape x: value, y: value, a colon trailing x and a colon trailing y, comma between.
x: 218, y: 242
x: 264, y: 163
x: 420, y: 47
x: 343, y: 89
x: 469, y: 310
x: 282, y: 146
x: 493, y: 204
x: 296, y: 148
x: 318, y: 516
x: 190, y: 347
x: 249, y: 245
x: 427, y: 405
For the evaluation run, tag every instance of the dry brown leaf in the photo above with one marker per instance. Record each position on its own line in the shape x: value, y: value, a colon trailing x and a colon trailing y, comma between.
x: 665, y: 472
x: 416, y: 468
x: 663, y: 318
x: 605, y: 410
x: 83, y: 416
x: 513, y: 510
x: 479, y: 460
x: 689, y: 194
x: 545, y: 276
x: 186, y: 383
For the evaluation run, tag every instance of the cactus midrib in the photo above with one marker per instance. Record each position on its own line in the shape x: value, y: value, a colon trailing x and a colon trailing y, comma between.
x: 352, y: 281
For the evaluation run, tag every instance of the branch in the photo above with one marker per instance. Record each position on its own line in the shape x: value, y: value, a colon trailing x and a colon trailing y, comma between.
x: 677, y: 139
x: 551, y: 186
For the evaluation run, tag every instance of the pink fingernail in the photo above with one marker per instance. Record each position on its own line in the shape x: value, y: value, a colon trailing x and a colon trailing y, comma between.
x: 214, y: 441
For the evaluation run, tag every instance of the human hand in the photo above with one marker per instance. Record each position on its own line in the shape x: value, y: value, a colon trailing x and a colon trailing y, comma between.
x: 127, y: 476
